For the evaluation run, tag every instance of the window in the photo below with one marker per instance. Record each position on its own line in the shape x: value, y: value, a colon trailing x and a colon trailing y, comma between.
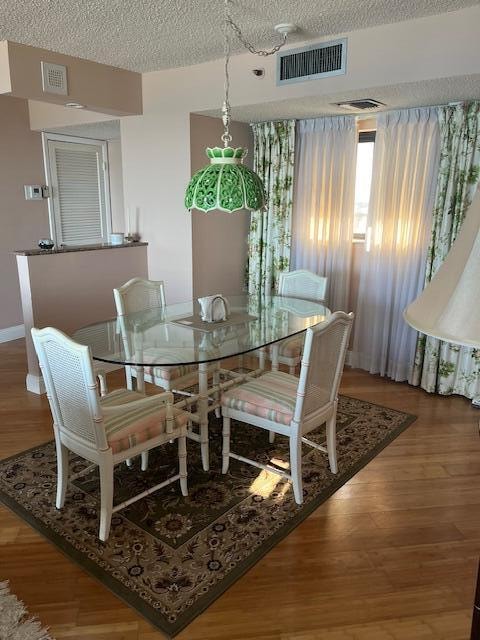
x: 363, y: 182
x: 79, y: 203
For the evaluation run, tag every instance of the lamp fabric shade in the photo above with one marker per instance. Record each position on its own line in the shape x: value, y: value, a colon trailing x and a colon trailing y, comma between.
x: 449, y: 306
x: 225, y: 184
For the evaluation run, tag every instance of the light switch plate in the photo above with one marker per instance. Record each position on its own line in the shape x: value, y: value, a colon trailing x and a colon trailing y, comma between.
x: 33, y: 192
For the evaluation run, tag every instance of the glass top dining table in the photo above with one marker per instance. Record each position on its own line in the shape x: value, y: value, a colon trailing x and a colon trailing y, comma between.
x: 152, y: 337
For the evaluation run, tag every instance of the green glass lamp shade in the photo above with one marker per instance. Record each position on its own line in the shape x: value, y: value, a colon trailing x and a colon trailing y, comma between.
x: 225, y: 184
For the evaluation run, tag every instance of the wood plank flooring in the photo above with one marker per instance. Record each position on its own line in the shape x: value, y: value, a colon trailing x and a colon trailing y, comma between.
x: 391, y: 556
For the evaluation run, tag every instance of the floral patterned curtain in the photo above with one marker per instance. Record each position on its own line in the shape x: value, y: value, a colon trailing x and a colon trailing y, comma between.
x: 440, y: 366
x: 270, y: 229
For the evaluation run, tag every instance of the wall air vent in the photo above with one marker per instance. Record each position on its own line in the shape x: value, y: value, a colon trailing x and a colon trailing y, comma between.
x: 312, y: 62
x: 365, y: 104
x: 54, y: 78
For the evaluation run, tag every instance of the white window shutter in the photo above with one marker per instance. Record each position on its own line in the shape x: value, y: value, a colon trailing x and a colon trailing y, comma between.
x: 77, y: 172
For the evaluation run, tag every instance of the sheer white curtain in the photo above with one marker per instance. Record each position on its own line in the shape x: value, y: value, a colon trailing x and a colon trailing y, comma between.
x: 405, y: 172
x: 322, y: 226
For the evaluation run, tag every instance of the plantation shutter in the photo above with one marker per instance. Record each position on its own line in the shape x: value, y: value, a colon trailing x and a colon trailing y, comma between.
x: 77, y: 173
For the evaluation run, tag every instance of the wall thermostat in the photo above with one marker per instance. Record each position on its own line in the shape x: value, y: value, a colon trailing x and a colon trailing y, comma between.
x: 33, y: 192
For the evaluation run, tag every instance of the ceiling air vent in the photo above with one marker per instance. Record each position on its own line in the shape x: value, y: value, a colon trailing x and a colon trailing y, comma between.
x: 312, y: 62
x: 365, y: 104
x: 54, y: 78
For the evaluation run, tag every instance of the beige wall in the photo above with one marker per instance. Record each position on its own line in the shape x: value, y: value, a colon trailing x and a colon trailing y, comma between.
x: 219, y: 240
x: 22, y: 222
x: 73, y: 279
x: 116, y: 185
x: 99, y: 87
x: 45, y: 116
x: 156, y: 171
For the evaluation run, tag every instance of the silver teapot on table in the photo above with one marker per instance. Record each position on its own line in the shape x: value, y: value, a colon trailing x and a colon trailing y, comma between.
x: 214, y: 308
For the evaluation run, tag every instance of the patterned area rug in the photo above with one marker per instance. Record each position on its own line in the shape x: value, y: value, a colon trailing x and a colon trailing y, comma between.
x: 170, y: 557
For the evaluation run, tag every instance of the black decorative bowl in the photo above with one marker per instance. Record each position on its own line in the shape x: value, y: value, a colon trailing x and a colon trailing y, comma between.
x: 46, y: 244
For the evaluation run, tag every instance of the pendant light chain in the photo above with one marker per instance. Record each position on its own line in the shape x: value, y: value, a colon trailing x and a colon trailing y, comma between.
x: 226, y: 109
x: 226, y: 183
x: 244, y: 41
x: 230, y: 24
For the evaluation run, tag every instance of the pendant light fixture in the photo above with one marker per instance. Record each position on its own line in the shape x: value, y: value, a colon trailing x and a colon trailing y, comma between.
x: 226, y: 184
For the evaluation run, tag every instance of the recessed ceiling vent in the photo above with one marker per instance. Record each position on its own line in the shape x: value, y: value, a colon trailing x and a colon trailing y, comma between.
x: 54, y: 78
x: 312, y: 62
x: 365, y: 104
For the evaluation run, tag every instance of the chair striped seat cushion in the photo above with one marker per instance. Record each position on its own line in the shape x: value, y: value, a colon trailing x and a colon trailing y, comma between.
x: 166, y: 355
x: 136, y: 425
x: 290, y: 347
x: 271, y: 396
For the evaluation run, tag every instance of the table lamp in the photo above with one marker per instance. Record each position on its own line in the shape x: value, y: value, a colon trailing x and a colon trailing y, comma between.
x: 449, y: 309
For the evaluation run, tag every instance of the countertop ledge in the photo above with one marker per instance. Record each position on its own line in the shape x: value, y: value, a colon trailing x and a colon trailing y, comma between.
x: 72, y: 249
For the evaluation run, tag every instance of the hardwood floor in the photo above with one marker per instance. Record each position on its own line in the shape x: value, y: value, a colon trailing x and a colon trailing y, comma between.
x: 392, y: 555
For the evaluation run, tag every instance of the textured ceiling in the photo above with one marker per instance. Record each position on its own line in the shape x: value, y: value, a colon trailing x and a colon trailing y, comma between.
x: 145, y: 35
x: 411, y: 94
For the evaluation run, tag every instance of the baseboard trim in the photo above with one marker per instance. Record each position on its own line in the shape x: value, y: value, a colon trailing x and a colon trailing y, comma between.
x: 12, y: 333
x: 35, y: 384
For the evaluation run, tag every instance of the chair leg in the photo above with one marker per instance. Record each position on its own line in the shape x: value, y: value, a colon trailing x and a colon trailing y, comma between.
x: 144, y: 460
x: 274, y: 357
x: 261, y: 358
x: 203, y: 411
x: 204, y: 446
x: 106, y: 497
x: 129, y: 462
x: 128, y: 378
x: 296, y: 468
x: 140, y: 380
x: 102, y: 379
x: 271, y: 437
x: 216, y: 380
x: 291, y: 369
x: 226, y: 444
x: 332, y: 442
x: 62, y: 470
x: 182, y: 464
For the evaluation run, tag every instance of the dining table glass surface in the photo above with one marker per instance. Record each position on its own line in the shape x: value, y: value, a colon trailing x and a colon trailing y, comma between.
x: 176, y: 334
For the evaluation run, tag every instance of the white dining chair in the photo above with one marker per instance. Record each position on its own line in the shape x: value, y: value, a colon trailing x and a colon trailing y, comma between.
x: 283, y: 404
x: 296, y: 284
x: 143, y: 295
x: 104, y: 430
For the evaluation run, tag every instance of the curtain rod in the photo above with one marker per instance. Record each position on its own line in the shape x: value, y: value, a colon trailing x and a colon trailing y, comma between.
x: 372, y: 114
